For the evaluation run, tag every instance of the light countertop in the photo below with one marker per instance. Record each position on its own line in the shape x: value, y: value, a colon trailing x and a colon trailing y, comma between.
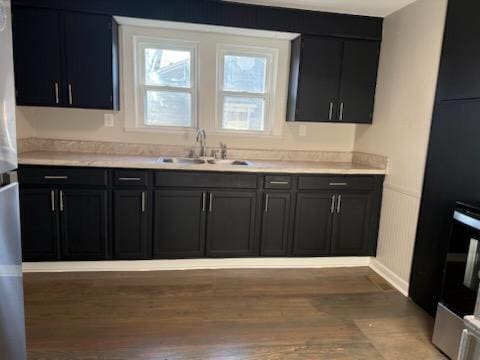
x: 145, y: 162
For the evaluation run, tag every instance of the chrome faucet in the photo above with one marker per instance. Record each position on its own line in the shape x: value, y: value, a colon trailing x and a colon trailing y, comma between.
x: 201, y: 137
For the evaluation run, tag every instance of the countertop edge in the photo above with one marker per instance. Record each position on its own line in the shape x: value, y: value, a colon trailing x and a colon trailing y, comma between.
x: 203, y: 168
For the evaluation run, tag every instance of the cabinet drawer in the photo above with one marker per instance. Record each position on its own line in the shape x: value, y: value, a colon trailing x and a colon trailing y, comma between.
x: 278, y: 182
x: 130, y: 178
x: 205, y: 180
x: 335, y: 183
x: 63, y: 176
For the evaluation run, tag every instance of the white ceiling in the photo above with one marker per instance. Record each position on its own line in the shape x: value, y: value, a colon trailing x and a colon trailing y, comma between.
x: 379, y: 8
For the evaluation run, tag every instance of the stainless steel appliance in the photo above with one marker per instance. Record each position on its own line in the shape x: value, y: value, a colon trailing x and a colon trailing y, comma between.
x: 12, y: 320
x: 460, y: 279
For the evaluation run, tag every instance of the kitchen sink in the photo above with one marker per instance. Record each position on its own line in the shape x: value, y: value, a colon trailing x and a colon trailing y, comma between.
x: 198, y: 161
x: 228, y: 162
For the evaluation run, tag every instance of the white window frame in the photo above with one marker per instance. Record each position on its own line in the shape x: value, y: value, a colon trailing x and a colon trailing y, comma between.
x: 140, y: 44
x: 270, y: 74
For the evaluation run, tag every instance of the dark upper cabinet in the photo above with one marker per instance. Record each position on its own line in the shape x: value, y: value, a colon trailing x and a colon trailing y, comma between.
x: 231, y: 223
x: 314, y: 76
x: 131, y: 225
x: 179, y: 223
x: 83, y: 224
x: 39, y: 219
x: 91, y: 74
x: 460, y: 63
x: 332, y: 80
x: 359, y: 81
x: 65, y: 59
x: 275, y: 224
x: 313, y: 224
x: 37, y: 56
x: 350, y: 225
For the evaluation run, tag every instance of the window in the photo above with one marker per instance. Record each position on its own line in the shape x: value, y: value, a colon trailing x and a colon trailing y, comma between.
x: 243, y: 89
x: 166, y: 84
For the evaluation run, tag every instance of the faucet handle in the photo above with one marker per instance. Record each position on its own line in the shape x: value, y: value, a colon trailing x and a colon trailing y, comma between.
x: 223, y: 150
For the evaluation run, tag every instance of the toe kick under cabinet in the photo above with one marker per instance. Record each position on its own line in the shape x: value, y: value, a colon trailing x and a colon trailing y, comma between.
x: 71, y: 213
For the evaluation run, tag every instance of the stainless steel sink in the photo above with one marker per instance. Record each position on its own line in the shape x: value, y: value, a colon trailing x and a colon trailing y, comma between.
x: 185, y: 161
x: 198, y: 161
x: 228, y: 162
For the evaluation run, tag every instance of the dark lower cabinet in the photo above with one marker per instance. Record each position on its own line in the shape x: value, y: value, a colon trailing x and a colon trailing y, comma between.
x: 39, y: 219
x: 275, y: 224
x: 83, y: 224
x: 179, y: 223
x: 131, y: 230
x: 350, y: 224
x: 313, y: 224
x: 97, y: 214
x: 231, y: 223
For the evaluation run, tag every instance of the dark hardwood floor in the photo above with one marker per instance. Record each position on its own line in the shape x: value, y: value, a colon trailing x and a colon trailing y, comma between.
x: 223, y: 314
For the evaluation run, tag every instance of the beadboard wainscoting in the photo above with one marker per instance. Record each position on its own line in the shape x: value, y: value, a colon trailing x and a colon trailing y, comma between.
x: 396, y: 239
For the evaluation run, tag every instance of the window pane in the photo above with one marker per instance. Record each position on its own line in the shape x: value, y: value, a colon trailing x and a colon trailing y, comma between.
x: 165, y: 108
x: 243, y: 113
x: 165, y: 67
x: 244, y: 73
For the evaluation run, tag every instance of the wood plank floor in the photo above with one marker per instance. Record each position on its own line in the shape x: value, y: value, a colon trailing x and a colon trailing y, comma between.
x: 223, y: 314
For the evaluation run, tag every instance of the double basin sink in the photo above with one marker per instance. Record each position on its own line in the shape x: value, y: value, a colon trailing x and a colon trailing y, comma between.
x: 200, y: 161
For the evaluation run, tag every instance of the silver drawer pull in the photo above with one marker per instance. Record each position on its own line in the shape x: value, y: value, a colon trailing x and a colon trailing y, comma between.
x: 129, y: 179
x: 61, y: 201
x: 279, y: 182
x: 339, y: 203
x: 52, y: 177
x: 338, y: 184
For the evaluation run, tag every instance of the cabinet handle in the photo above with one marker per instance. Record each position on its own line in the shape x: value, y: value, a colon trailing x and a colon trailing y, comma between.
x: 339, y: 204
x: 52, y: 177
x: 330, y: 111
x: 204, y: 201
x: 52, y: 200
x: 70, y: 94
x: 57, y: 96
x: 61, y: 201
x: 278, y: 182
x: 129, y: 179
x: 266, y: 202
x: 210, y: 206
x: 332, y: 204
x: 338, y: 184
x: 342, y: 106
x: 144, y: 196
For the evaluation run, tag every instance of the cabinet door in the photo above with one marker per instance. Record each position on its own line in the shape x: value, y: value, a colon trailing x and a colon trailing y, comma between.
x: 460, y: 63
x: 350, y: 225
x: 131, y: 230
x: 38, y: 212
x: 319, y: 76
x: 36, y: 46
x: 313, y: 224
x: 90, y: 67
x: 358, y: 81
x: 275, y: 224
x: 179, y: 224
x: 231, y: 223
x: 83, y: 223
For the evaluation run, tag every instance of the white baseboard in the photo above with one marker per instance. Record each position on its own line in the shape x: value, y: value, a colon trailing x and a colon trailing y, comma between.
x: 394, y: 280
x: 196, y: 264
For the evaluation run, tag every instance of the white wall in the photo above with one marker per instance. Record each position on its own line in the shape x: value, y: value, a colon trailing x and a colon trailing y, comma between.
x: 412, y: 39
x: 89, y: 124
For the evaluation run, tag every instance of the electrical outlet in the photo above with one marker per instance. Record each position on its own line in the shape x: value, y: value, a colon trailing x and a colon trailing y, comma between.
x: 303, y: 130
x: 109, y: 120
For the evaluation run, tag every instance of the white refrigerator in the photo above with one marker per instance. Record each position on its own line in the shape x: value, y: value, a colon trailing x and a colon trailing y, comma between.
x: 12, y: 319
